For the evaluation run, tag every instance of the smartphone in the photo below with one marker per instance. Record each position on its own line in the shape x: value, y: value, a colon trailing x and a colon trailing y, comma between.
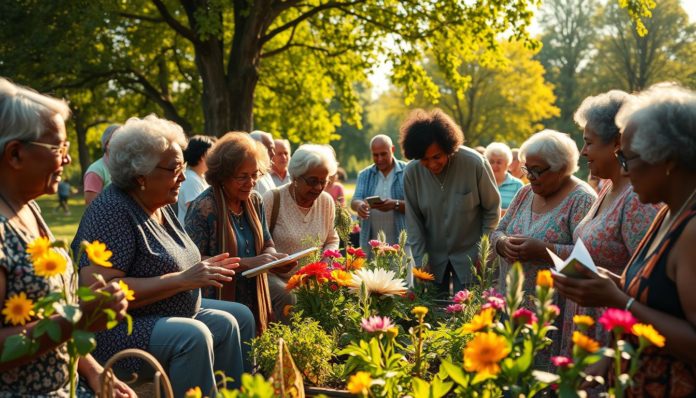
x: 373, y: 200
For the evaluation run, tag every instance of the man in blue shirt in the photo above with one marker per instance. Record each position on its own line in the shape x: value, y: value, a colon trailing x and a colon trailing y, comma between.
x: 383, y: 179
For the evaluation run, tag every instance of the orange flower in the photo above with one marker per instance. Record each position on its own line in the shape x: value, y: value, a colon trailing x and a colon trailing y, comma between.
x: 295, y: 281
x: 544, y: 278
x: 342, y: 278
x: 422, y: 275
x: 648, y: 333
x: 353, y: 263
x: 484, y: 353
x: 589, y: 345
x: 480, y: 321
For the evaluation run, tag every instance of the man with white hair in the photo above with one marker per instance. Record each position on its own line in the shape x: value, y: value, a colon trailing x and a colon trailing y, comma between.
x: 384, y: 183
x: 279, y: 168
x: 265, y: 183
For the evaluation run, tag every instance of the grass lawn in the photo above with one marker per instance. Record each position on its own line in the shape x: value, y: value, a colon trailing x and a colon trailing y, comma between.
x: 63, y: 226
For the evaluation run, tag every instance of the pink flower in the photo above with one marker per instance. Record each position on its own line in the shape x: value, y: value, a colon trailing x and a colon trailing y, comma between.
x: 524, y: 315
x: 359, y: 253
x: 454, y: 308
x: 554, y: 308
x: 396, y: 246
x: 491, y: 293
x: 462, y: 296
x: 374, y: 243
x: 332, y: 254
x: 356, y: 229
x: 561, y: 362
x: 337, y: 265
x: 616, y: 320
x: 496, y: 302
x: 376, y: 324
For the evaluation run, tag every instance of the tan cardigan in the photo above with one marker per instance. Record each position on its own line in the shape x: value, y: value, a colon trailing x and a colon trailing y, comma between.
x: 294, y: 229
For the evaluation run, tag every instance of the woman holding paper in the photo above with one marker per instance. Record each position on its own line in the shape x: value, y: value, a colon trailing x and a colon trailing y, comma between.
x: 617, y: 221
x: 229, y: 217
x: 658, y: 148
x: 190, y: 336
x: 544, y: 213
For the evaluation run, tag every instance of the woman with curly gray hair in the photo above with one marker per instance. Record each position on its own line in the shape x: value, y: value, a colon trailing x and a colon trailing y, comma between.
x: 658, y: 148
x: 192, y: 337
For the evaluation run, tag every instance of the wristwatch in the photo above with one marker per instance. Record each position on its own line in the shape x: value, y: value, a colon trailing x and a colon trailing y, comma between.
x: 396, y: 206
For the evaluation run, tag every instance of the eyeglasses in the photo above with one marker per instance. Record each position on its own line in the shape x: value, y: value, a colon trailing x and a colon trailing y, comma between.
x: 623, y: 160
x: 314, y: 181
x: 177, y: 171
x: 247, y: 177
x: 58, y: 150
x: 534, y: 173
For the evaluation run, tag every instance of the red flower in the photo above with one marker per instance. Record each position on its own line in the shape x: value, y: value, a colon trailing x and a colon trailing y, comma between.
x: 617, y: 321
x: 319, y: 270
x: 524, y: 315
x: 561, y: 362
x: 359, y: 253
x: 332, y: 254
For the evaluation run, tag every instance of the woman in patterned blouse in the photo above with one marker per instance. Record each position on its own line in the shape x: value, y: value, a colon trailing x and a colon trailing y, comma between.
x: 544, y: 214
x: 33, y: 152
x: 190, y: 336
x: 658, y: 148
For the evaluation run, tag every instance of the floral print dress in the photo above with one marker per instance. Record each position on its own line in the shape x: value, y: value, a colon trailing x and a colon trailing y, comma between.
x: 47, y: 375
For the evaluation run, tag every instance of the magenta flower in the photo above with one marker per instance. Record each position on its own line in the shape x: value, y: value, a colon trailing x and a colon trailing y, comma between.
x: 523, y: 316
x: 561, y: 362
x: 332, y: 254
x: 356, y: 252
x: 491, y: 293
x: 454, y: 308
x: 396, y: 246
x: 374, y: 243
x: 554, y: 308
x: 616, y: 320
x: 356, y: 229
x: 462, y: 296
x: 497, y: 303
x: 376, y: 324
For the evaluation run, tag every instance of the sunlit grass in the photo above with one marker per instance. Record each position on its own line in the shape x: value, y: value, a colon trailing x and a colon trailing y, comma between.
x: 63, y: 226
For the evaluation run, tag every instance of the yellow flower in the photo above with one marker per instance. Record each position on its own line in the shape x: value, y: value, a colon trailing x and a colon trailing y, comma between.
x: 98, y: 254
x: 359, y: 383
x: 50, y: 264
x: 130, y: 295
x: 649, y: 333
x: 18, y: 309
x: 295, y: 281
x: 589, y: 345
x: 583, y: 320
x: 194, y: 393
x: 422, y: 275
x: 544, y: 278
x: 419, y: 311
x: 39, y: 247
x: 392, y: 332
x: 354, y: 263
x: 342, y: 278
x: 483, y: 353
x: 480, y: 321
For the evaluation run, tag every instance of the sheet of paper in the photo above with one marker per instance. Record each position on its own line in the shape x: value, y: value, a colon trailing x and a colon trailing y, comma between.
x: 580, y: 255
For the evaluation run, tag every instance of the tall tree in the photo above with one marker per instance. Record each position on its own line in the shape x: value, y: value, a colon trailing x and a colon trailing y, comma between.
x: 626, y: 60
x: 568, y: 33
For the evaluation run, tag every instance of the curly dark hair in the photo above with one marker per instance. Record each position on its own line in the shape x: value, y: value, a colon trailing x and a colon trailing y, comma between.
x: 423, y: 128
x: 198, y: 145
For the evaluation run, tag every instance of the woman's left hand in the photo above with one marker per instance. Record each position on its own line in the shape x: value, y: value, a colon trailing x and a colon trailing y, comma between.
x: 528, y: 248
x: 597, y: 290
x: 285, y: 268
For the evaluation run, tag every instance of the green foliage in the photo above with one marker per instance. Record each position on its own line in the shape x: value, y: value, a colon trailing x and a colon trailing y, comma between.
x: 252, y: 387
x: 310, y: 346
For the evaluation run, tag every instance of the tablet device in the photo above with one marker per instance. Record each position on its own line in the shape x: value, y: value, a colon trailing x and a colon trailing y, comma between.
x: 250, y: 273
x: 372, y: 200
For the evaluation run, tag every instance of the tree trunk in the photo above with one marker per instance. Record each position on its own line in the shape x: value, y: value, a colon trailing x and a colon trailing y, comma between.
x: 217, y: 99
x: 81, y: 128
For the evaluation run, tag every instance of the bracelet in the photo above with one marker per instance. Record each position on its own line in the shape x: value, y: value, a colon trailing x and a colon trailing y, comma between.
x: 396, y: 206
x: 629, y: 303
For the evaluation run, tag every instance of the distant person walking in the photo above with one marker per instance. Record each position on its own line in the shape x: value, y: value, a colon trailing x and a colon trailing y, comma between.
x: 63, y: 196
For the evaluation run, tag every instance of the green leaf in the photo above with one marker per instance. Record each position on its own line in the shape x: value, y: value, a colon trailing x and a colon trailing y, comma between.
x: 439, y: 388
x: 86, y: 294
x: 525, y: 360
x: 421, y: 388
x: 15, y: 346
x: 455, y: 372
x: 129, y: 324
x: 71, y: 312
x: 84, y: 341
x: 49, y: 327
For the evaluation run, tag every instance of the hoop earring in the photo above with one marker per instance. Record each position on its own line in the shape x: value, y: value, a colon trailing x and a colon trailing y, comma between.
x: 142, y: 187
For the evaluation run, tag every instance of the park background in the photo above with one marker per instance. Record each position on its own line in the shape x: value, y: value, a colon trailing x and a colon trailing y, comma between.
x: 336, y: 72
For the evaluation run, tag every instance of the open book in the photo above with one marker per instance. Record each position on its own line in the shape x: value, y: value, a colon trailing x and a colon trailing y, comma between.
x: 250, y: 273
x: 578, y: 255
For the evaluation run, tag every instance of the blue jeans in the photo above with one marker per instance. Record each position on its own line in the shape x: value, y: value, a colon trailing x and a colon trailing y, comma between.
x: 215, y: 339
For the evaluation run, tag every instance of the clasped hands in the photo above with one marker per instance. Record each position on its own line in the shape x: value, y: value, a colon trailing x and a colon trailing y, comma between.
x: 521, y: 248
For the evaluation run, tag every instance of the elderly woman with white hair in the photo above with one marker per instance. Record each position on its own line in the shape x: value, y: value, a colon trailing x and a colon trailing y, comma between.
x: 499, y: 156
x: 544, y: 213
x: 301, y: 212
x: 192, y: 337
x: 657, y: 152
x: 33, y: 153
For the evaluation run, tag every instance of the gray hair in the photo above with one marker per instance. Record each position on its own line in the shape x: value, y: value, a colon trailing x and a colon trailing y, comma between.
x: 309, y: 156
x: 499, y: 149
x: 599, y: 113
x: 283, y: 142
x: 382, y: 138
x: 558, y: 149
x: 137, y: 148
x: 26, y: 114
x: 664, y: 117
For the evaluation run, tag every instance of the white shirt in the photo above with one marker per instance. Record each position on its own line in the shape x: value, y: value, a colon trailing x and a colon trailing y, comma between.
x: 384, y: 220
x: 190, y: 189
x: 264, y: 184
